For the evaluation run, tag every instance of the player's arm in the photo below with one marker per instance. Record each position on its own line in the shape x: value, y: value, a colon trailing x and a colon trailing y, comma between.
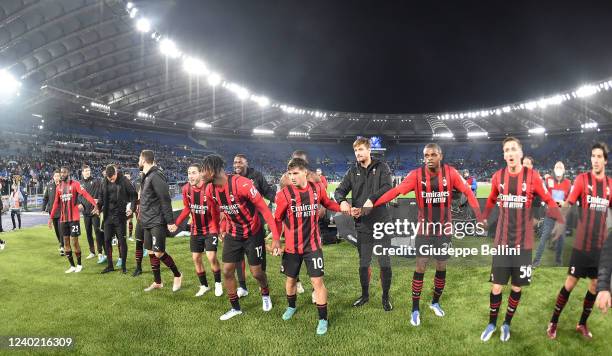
x: 542, y: 192
x: 269, y: 190
x: 492, y: 199
x: 407, y: 185
x: 343, y: 188
x: 56, y: 202
x: 79, y: 188
x: 325, y: 200
x: 281, y: 211
x: 132, y: 194
x: 212, y: 206
x: 185, y: 212
x: 459, y: 184
x: 45, y: 198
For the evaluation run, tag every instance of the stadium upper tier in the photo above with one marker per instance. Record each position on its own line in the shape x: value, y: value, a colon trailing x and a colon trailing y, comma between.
x: 98, y: 60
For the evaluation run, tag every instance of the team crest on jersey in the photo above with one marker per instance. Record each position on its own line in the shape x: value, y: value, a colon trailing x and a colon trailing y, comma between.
x: 314, y: 194
x: 444, y: 181
x: 232, y: 197
x: 524, y: 186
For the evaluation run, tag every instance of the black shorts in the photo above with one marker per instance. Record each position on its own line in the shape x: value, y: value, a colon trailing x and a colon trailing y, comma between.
x: 71, y: 228
x: 155, y: 238
x: 254, y: 247
x: 433, y: 246
x: 199, y: 243
x: 583, y: 265
x: 518, y: 267
x: 292, y: 262
x: 139, y: 232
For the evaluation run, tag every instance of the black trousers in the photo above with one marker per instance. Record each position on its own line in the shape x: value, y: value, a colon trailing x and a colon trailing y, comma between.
x: 18, y: 214
x: 56, y: 228
x: 93, y: 223
x: 115, y: 227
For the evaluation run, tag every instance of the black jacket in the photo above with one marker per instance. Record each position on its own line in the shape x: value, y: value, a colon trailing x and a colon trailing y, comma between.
x: 155, y: 202
x: 366, y: 183
x: 605, y: 266
x: 126, y: 193
x: 49, y: 199
x: 92, y: 186
x: 266, y: 190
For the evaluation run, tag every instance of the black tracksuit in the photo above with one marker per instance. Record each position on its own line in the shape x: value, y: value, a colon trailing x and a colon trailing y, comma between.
x: 48, y: 201
x: 368, y: 183
x: 92, y: 186
x: 114, y: 198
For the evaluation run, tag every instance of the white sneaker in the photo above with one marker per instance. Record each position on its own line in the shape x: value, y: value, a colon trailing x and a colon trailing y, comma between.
x: 230, y: 314
x: 115, y: 242
x: 203, y: 289
x: 176, y: 285
x: 71, y: 269
x: 131, y: 239
x: 78, y: 269
x: 266, y: 303
x: 2, y: 246
x: 314, y: 298
x: 242, y: 292
x: 90, y: 256
x: 218, y: 289
x: 154, y: 286
x: 300, y: 288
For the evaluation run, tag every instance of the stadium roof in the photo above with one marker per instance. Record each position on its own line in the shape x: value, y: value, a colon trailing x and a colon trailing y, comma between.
x: 93, y: 59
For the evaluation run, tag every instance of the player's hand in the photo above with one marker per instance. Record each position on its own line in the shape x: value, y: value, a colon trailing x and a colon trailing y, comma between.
x: 603, y: 301
x: 128, y: 212
x: 276, y: 249
x: 80, y: 206
x: 96, y: 200
x: 95, y: 211
x: 222, y: 236
x: 485, y: 224
x: 355, y: 212
x: 345, y: 208
x: 50, y: 223
x: 172, y: 228
x: 557, y: 231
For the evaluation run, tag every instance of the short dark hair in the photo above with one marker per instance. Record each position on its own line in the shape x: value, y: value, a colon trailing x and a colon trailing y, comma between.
x: 111, y: 170
x: 242, y: 155
x: 214, y: 163
x: 529, y: 158
x: 56, y: 171
x: 148, y: 155
x: 362, y: 141
x: 297, y: 163
x: 434, y: 146
x: 65, y: 167
x: 510, y: 139
x: 603, y: 147
x: 85, y: 167
x: 197, y: 166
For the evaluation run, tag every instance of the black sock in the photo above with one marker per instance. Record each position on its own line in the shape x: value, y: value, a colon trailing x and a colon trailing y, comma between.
x: 155, y: 268
x: 364, y: 279
x: 169, y: 262
x: 439, y: 283
x: 234, y: 300
x: 494, y: 305
x: 385, y: 281
x: 322, y: 308
x: 217, y: 275
x: 513, y: 301
x: 291, y: 300
x: 78, y: 256
x: 70, y: 259
x: 562, y: 299
x: 587, y: 307
x: 417, y: 287
x: 243, y: 285
x: 265, y: 292
x: 202, y: 278
x: 138, y: 255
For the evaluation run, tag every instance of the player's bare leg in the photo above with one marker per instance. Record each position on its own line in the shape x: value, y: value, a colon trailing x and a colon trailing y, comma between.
x: 68, y: 253
x: 321, y: 298
x: 201, y: 272
x: 229, y: 270
x: 259, y: 274
x: 216, y: 269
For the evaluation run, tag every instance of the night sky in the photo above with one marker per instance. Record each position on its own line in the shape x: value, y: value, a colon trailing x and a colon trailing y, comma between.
x: 396, y: 56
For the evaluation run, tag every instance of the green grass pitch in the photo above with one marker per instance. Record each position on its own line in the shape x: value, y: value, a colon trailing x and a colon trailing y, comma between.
x: 110, y: 314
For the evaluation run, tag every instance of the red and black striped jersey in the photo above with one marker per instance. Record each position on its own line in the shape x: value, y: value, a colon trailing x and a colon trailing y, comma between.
x: 434, y: 195
x: 239, y: 201
x: 595, y: 199
x: 298, y: 209
x: 194, y: 203
x: 67, y: 200
x: 514, y: 193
